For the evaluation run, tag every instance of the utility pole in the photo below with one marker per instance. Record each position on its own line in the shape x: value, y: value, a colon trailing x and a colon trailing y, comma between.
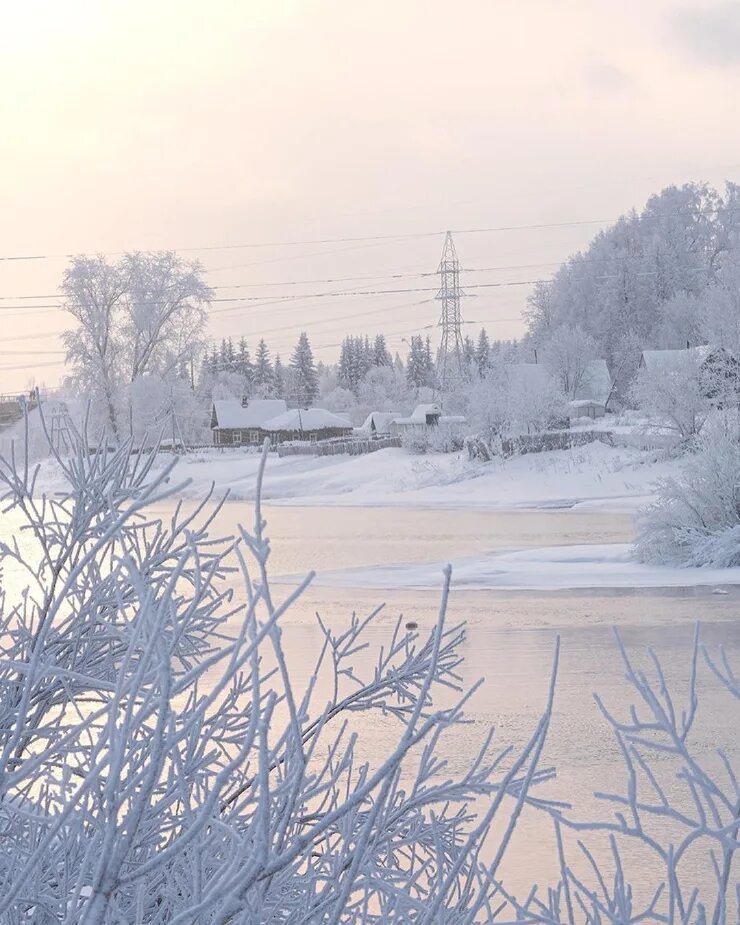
x: 450, y: 320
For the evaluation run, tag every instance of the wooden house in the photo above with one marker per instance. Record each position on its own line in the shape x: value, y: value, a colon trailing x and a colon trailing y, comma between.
x: 307, y: 424
x: 237, y: 422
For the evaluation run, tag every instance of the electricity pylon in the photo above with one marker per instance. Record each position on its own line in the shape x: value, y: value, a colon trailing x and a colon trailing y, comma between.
x: 450, y: 361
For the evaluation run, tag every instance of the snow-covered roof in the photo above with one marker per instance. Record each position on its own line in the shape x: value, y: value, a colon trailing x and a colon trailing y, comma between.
x: 596, y: 383
x: 231, y: 414
x: 381, y: 419
x: 658, y: 360
x: 307, y: 419
x: 585, y: 402
x: 420, y: 412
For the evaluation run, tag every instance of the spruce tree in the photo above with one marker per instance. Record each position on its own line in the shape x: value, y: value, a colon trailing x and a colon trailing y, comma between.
x: 381, y: 356
x: 278, y: 378
x: 468, y: 354
x: 306, y: 381
x: 263, y: 376
x: 243, y: 360
x: 483, y: 352
x: 416, y: 364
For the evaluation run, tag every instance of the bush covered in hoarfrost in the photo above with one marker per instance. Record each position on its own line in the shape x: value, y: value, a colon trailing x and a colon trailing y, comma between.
x: 695, y: 520
x: 158, y: 764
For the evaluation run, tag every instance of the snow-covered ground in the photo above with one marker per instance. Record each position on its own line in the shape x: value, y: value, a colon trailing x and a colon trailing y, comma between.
x: 544, y: 569
x: 591, y: 477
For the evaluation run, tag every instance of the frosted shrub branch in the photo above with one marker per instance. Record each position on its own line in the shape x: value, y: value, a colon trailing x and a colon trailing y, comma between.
x: 159, y: 764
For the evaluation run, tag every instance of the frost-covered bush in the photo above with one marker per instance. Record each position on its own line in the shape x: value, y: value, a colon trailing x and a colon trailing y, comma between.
x: 159, y: 765
x: 695, y: 520
x: 676, y: 391
x: 441, y: 439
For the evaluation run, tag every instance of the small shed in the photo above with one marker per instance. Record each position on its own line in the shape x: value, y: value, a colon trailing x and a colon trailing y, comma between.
x: 378, y: 423
x: 307, y: 424
x: 236, y: 422
x: 586, y: 408
x: 423, y: 418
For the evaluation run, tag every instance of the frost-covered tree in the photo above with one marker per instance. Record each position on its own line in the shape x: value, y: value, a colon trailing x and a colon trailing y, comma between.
x: 263, y: 374
x: 469, y: 355
x: 719, y: 315
x: 695, y: 519
x: 676, y: 390
x: 278, y: 377
x: 482, y: 352
x: 568, y: 353
x: 381, y: 356
x: 305, y: 383
x: 420, y: 362
x: 508, y: 401
x: 244, y: 360
x: 93, y: 291
x: 164, y: 311
x: 140, y: 316
x: 616, y: 289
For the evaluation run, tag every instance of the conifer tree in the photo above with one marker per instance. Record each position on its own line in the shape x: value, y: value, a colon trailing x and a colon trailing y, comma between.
x: 243, y: 360
x: 381, y: 356
x: 278, y: 378
x: 483, y: 352
x: 306, y: 381
x: 263, y: 375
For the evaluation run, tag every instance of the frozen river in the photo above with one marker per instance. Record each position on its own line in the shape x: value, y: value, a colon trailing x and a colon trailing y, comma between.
x: 511, y: 636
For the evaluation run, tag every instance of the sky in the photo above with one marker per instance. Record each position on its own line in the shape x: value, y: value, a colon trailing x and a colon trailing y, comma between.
x: 225, y: 130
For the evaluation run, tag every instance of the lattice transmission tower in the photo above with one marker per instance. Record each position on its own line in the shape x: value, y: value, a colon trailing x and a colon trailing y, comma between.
x: 450, y: 360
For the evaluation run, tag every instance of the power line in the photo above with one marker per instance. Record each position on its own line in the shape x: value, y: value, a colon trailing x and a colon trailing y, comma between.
x: 7, y: 369
x: 305, y: 242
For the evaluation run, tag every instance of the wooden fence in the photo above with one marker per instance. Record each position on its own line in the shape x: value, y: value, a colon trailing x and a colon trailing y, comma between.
x: 481, y: 448
x: 338, y: 447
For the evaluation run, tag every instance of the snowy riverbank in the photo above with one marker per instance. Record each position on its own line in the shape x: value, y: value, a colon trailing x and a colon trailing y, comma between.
x: 550, y: 568
x: 594, y: 477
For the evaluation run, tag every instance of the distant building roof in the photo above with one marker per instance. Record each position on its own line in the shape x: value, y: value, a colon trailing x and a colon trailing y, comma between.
x: 231, y: 414
x: 658, y: 360
x: 380, y: 420
x: 307, y: 419
x: 584, y: 402
x: 422, y: 412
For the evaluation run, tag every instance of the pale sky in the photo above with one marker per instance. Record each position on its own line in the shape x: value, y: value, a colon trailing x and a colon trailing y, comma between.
x: 148, y: 125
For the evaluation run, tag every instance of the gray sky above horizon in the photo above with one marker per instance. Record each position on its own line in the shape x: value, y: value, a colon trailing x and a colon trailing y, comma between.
x: 176, y: 124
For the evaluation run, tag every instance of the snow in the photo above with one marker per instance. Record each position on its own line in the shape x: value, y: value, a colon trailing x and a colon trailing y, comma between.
x: 306, y: 419
x: 548, y: 568
x: 420, y: 413
x: 661, y: 360
x: 379, y: 421
x: 595, y: 476
x: 230, y: 413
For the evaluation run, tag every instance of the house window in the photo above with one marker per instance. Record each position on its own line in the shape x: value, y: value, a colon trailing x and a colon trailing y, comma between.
x: 254, y: 437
